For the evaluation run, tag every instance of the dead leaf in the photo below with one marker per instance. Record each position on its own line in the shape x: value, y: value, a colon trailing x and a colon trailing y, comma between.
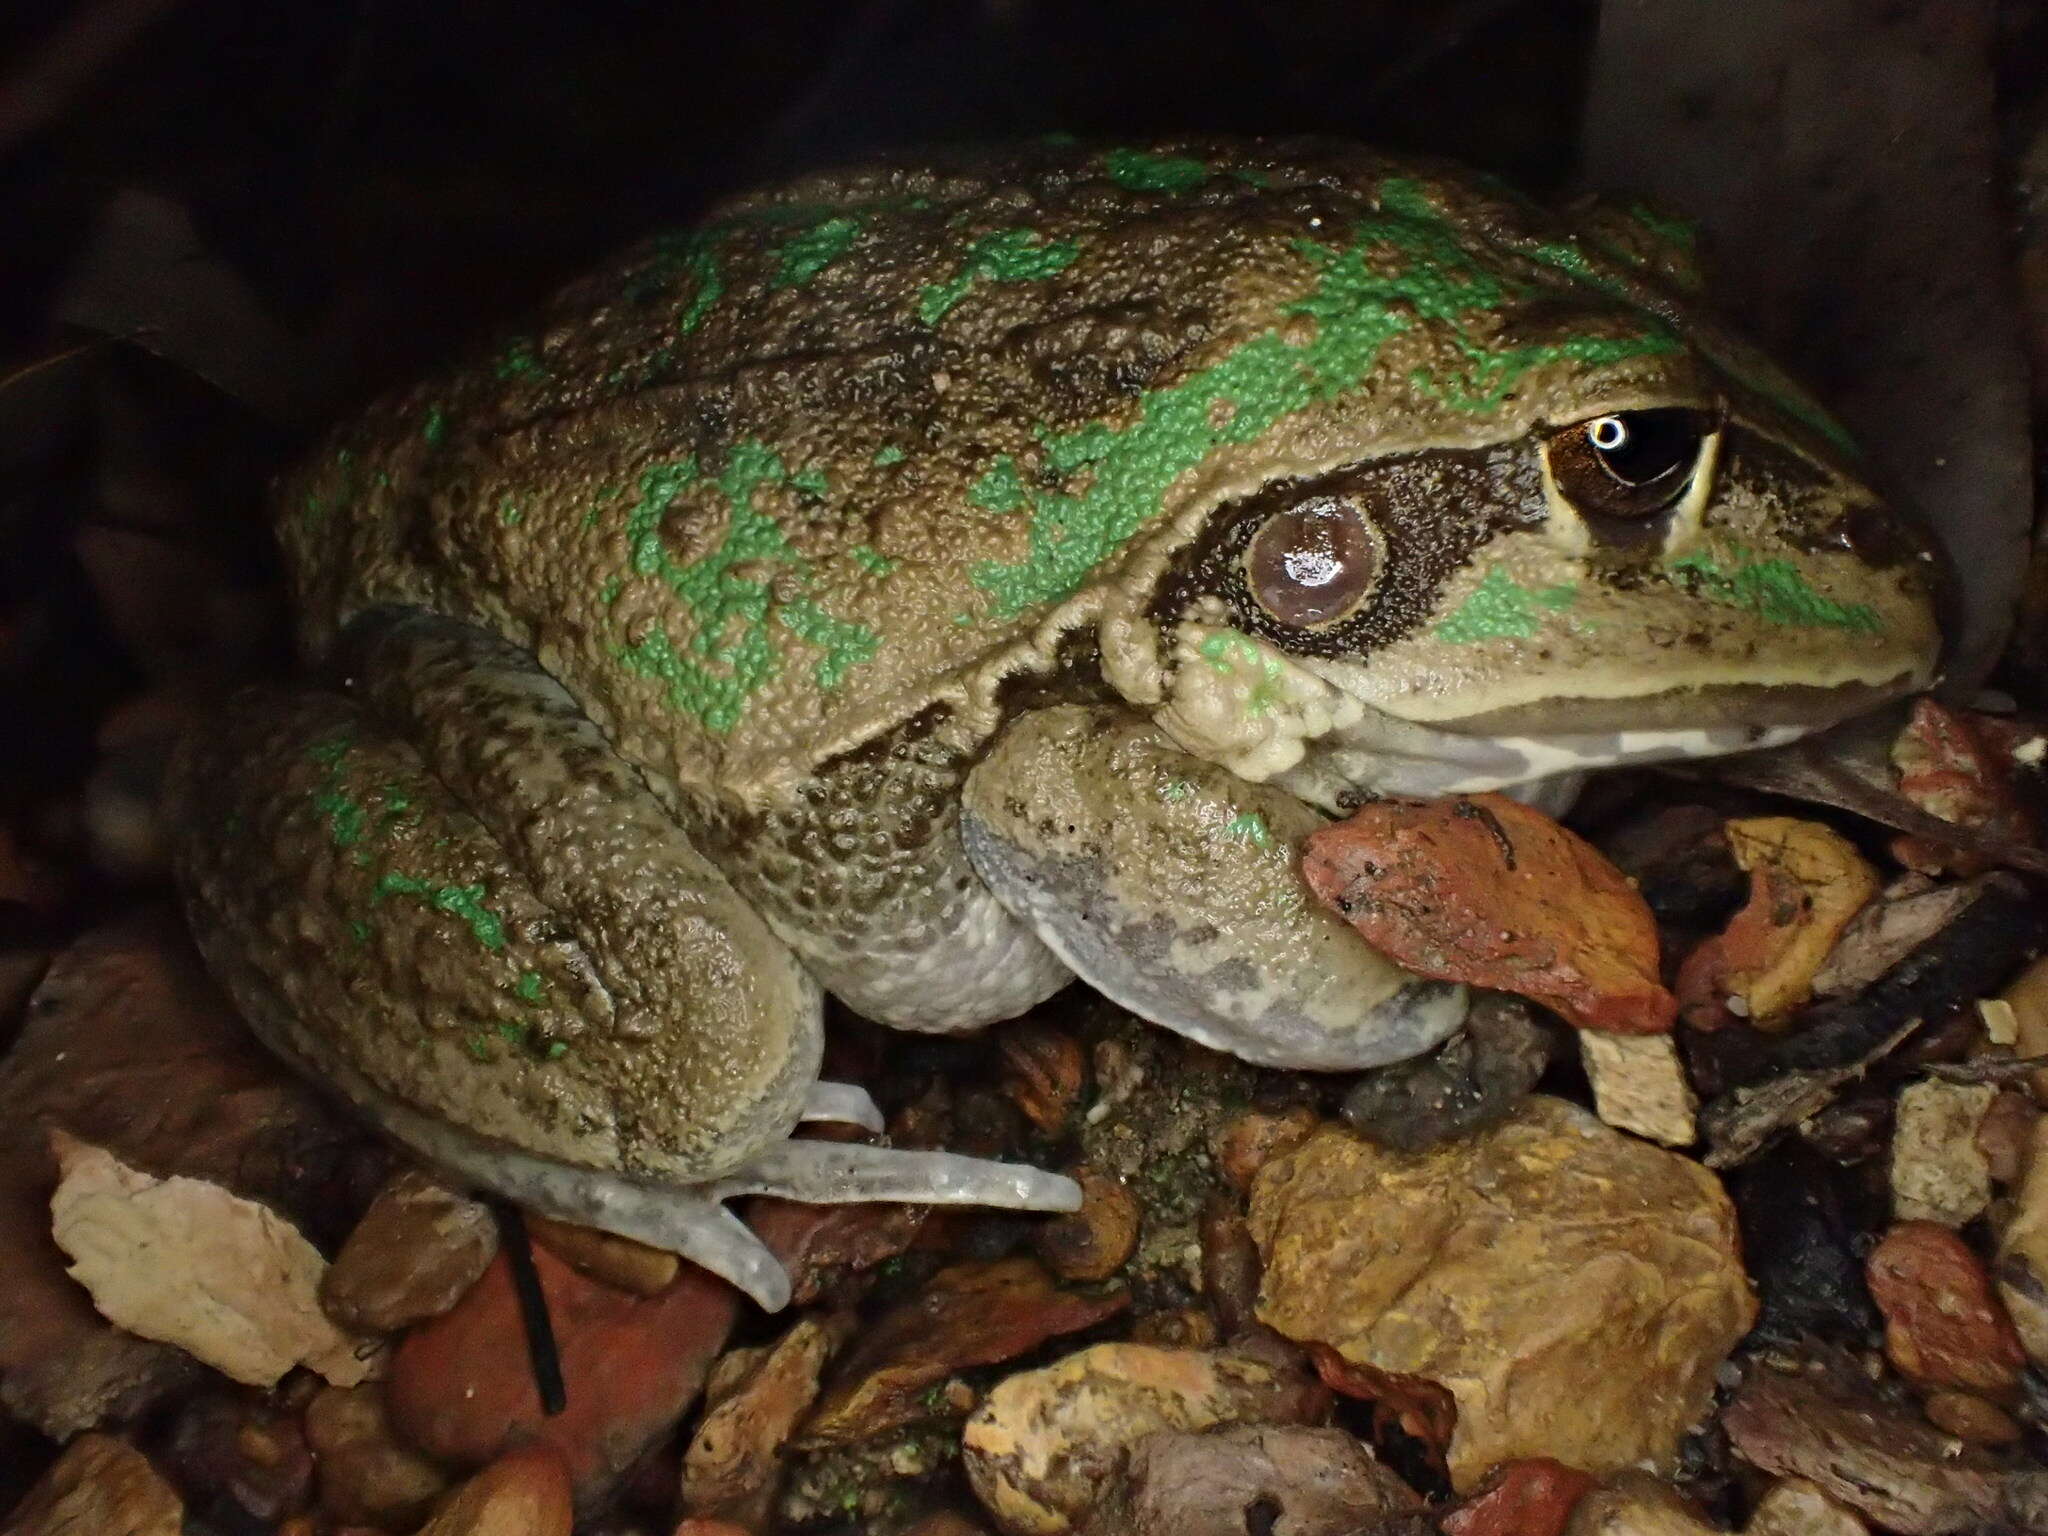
x: 1806, y: 882
x: 225, y: 1279
x: 1950, y: 767
x: 1484, y: 890
x: 1416, y: 1405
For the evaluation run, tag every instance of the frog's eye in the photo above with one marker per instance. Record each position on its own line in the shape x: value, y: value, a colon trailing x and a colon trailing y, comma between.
x: 1629, y: 464
x: 1315, y: 562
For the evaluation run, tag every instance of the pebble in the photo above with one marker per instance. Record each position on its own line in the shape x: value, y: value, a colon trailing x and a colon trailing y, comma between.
x: 525, y: 1492
x: 1531, y: 1497
x: 1096, y: 1241
x: 366, y: 1475
x: 2022, y: 1267
x: 1044, y: 1442
x: 1636, y: 1504
x: 1471, y: 1081
x: 1944, y: 1324
x: 1257, y: 1136
x: 1308, y: 1482
x: 100, y: 1486
x: 244, y: 1449
x: 461, y: 1385
x: 1574, y: 1288
x: 1970, y: 1418
x: 1938, y: 1171
x: 1794, y: 1507
x: 617, y: 1261
x: 419, y: 1246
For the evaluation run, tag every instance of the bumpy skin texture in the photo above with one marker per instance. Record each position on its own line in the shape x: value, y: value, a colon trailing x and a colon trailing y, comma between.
x: 799, y: 510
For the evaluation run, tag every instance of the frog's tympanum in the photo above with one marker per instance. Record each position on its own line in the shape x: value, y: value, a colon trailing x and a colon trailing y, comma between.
x: 928, y: 584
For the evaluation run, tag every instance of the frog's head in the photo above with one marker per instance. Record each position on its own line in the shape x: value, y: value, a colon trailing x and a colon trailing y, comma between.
x: 1578, y: 528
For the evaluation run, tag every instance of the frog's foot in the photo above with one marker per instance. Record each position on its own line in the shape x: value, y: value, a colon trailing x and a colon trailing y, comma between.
x: 692, y: 1220
x: 1171, y: 885
x: 844, y: 1103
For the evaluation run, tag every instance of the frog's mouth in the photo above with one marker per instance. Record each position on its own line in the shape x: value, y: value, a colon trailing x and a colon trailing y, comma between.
x: 1563, y: 739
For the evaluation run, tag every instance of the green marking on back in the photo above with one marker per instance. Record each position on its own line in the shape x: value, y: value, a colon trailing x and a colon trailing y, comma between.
x: 1501, y: 608
x: 435, y: 428
x: 463, y: 901
x: 731, y: 652
x: 888, y: 454
x: 1141, y: 171
x: 1776, y: 591
x: 519, y: 361
x: 1249, y: 827
x: 872, y: 560
x: 1357, y: 307
x: 999, y: 489
x: 349, y: 826
x: 1004, y: 256
x: 811, y: 251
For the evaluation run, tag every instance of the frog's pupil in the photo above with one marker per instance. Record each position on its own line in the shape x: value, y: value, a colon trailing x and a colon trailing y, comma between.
x: 1637, y: 447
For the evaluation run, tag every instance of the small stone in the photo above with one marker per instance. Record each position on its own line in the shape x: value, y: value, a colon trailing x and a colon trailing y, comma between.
x: 1471, y: 1081
x: 1177, y: 1328
x: 461, y: 1385
x: 968, y: 1315
x: 1045, y: 1073
x: 1096, y: 1241
x: 2027, y: 996
x: 1256, y: 1136
x: 1636, y: 1504
x: 243, y: 1449
x: 1045, y: 1441
x: 2022, y: 1265
x: 1575, y: 1289
x: 1938, y: 1171
x: 1230, y: 1265
x: 617, y: 1261
x: 1970, y: 1418
x: 1531, y: 1497
x: 1794, y: 1507
x: 1639, y: 1085
x: 366, y: 1475
x: 525, y: 1492
x: 2006, y: 1133
x: 734, y: 1461
x: 99, y: 1485
x: 1308, y: 1482
x: 1944, y: 1326
x: 419, y: 1246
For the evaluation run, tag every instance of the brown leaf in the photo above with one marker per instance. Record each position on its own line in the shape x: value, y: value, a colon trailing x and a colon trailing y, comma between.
x: 1484, y: 890
x: 1951, y: 767
x: 971, y: 1314
x: 1417, y: 1405
x: 1806, y: 882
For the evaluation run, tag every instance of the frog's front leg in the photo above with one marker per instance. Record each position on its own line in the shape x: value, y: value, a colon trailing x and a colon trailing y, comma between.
x: 445, y: 895
x: 1170, y: 884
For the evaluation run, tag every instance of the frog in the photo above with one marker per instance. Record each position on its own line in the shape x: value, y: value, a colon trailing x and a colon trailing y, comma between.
x: 928, y: 583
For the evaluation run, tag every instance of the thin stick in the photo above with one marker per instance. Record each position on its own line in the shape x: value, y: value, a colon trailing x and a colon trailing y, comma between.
x: 533, y: 1310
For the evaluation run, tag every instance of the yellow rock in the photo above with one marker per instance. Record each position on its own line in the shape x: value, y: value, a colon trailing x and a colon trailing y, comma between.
x: 1573, y: 1288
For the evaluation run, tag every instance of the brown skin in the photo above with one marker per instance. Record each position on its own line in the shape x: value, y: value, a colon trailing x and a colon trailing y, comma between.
x: 765, y: 535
